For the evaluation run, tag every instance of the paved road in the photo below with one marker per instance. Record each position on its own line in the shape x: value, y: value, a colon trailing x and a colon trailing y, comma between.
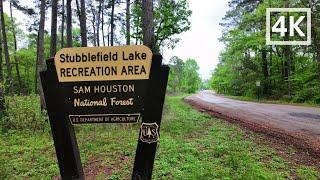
x: 295, y: 121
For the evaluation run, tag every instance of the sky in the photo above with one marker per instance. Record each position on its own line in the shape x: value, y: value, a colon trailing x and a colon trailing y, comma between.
x: 200, y: 42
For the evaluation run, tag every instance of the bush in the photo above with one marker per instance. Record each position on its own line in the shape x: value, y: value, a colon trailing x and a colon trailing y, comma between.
x: 24, y: 113
x: 310, y: 95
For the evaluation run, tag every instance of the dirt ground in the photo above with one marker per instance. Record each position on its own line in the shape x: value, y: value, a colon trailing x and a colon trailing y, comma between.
x: 293, y: 125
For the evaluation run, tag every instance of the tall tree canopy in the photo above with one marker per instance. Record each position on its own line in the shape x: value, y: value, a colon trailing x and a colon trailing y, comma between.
x: 171, y: 17
x: 184, y: 76
x: 285, y: 72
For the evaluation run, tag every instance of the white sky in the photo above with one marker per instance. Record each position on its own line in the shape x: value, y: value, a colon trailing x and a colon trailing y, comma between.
x: 200, y: 42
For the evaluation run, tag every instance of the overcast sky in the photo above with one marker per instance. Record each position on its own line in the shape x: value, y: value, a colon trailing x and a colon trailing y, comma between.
x: 200, y: 42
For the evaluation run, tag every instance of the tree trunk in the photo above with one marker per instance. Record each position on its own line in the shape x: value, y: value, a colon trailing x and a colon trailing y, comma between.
x: 69, y: 24
x: 2, y: 100
x: 98, y: 22
x: 62, y: 25
x: 83, y: 25
x: 137, y: 32
x: 128, y: 22
x: 53, y: 46
x: 315, y: 40
x: 317, y: 48
x: 93, y: 25
x: 6, y: 50
x: 40, y: 65
x: 108, y: 35
x: 318, y: 62
x: 78, y: 9
x: 265, y: 71
x: 270, y: 68
x: 287, y: 56
x: 15, y: 48
x: 36, y: 70
x: 112, y: 22
x: 147, y: 24
x: 286, y: 67
x: 102, y: 28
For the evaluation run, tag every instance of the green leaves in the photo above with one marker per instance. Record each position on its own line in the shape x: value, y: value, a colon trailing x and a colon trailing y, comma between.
x: 171, y: 17
x: 284, y: 71
x: 184, y: 76
x: 23, y: 113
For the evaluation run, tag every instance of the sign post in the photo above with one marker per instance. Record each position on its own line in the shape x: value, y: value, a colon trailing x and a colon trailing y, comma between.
x: 258, y: 84
x: 149, y: 131
x: 124, y: 84
x: 63, y: 134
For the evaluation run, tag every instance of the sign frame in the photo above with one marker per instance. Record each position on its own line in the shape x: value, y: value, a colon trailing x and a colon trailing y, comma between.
x: 63, y: 133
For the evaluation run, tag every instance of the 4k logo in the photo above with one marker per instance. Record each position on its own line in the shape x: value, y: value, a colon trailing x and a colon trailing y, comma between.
x: 149, y: 132
x: 297, y: 25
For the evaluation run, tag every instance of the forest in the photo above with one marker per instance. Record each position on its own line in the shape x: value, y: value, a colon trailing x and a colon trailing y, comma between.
x: 286, y: 73
x: 52, y: 25
x: 193, y: 143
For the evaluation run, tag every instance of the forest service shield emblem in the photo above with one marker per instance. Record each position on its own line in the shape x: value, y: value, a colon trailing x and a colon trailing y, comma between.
x: 149, y: 132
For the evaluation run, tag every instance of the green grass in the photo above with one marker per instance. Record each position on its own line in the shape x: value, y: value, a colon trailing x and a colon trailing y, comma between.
x: 192, y: 145
x: 268, y: 101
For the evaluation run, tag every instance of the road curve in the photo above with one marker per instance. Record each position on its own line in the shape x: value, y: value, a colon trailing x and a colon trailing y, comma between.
x: 295, y: 124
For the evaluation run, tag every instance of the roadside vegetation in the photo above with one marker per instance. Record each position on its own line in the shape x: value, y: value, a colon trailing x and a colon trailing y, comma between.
x: 272, y: 101
x: 82, y: 23
x: 192, y: 145
x: 184, y: 76
x: 285, y: 73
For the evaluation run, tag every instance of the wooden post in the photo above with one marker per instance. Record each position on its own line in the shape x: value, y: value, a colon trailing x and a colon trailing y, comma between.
x: 62, y: 131
x: 145, y: 153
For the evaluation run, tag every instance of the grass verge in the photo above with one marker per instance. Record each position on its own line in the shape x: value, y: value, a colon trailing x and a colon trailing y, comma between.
x: 192, y: 145
x: 268, y: 101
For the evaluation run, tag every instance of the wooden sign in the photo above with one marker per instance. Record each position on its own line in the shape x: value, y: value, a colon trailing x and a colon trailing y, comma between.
x: 104, y: 85
x: 103, y: 63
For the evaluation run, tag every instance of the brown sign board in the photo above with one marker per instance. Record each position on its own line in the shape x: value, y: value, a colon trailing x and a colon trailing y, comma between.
x: 103, y: 84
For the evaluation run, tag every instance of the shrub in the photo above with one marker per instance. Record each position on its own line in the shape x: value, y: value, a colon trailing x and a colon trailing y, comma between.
x: 24, y: 113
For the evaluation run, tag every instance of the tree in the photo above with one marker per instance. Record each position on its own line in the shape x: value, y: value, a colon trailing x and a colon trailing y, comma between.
x: 246, y: 59
x: 15, y: 47
x: 315, y: 8
x: 69, y: 24
x: 54, y: 15
x: 40, y: 65
x: 102, y: 26
x: 6, y: 49
x: 147, y: 24
x: 287, y: 57
x: 62, y: 23
x: 136, y: 14
x: 176, y: 74
x: 191, y: 79
x: 128, y: 22
x: 99, y: 21
x: 171, y: 17
x: 112, y: 22
x: 93, y: 22
x: 83, y: 23
x: 2, y: 97
x: 184, y: 76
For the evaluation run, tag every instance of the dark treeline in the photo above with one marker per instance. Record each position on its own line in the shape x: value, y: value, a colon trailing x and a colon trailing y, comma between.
x: 76, y: 23
x: 289, y: 73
